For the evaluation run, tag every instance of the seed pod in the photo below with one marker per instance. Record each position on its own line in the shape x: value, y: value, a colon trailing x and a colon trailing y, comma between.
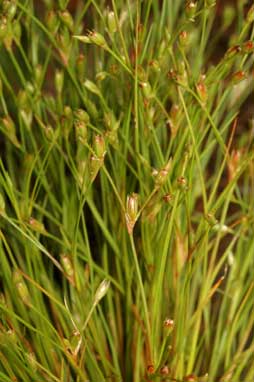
x: 3, y: 27
x: 168, y: 198
x: 81, y: 115
x: 64, y: 42
x: 95, y: 165
x: 190, y: 9
x: 100, y: 76
x: 161, y: 175
x: 182, y: 183
x: 250, y: 15
x: 168, y: 323
x: 21, y: 287
x: 202, y: 90
x: 150, y: 369
x: 131, y: 211
x: 67, y: 265
x: 190, y: 378
x: 146, y: 89
x: 89, y: 85
x: 80, y: 66
x: 31, y: 359
x: 66, y: 19
x: 172, y: 75
x: 111, y: 21
x: 83, y: 175
x: 101, y: 290
x: 183, y: 39
x: 75, y: 342
x: 81, y: 131
x: 85, y: 39
x: 155, y: 66
x: 52, y: 21
x: 11, y: 9
x: 97, y: 39
x: 12, y: 336
x: 36, y: 225
x: 164, y: 370
x: 10, y: 130
x: 93, y: 37
x: 99, y: 146
x: 67, y: 121
x: 234, y: 161
x: 237, y: 77
x: 248, y: 47
x: 233, y: 51
x: 59, y: 81
x: 50, y: 133
x: 38, y: 74
x: 211, y: 219
x: 91, y: 108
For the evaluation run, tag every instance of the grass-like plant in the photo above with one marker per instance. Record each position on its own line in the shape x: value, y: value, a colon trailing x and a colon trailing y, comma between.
x: 126, y: 191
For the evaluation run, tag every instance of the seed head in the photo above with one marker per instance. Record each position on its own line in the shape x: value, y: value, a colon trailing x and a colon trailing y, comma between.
x: 131, y: 211
x: 168, y: 323
x: 112, y: 27
x: 250, y: 14
x: 190, y: 378
x: 150, y: 369
x: 164, y: 370
x: 238, y: 77
x: 101, y: 290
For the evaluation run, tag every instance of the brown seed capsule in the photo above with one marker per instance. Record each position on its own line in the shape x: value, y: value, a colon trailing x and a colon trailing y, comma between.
x: 248, y: 47
x: 162, y: 174
x: 36, y: 225
x: 231, y: 52
x: 164, y: 370
x: 182, y: 183
x: 190, y: 378
x: 150, y: 369
x: 183, y: 38
x: 234, y: 161
x: 238, y: 77
x: 190, y: 9
x: 172, y: 75
x: 211, y: 219
x: 131, y: 211
x: 167, y: 198
x: 155, y: 66
x: 201, y: 89
x: 168, y: 323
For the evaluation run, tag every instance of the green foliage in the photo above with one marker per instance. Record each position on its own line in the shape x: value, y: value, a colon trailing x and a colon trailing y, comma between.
x: 126, y: 191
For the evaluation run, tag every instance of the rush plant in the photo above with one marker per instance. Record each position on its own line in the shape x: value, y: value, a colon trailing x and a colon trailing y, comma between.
x: 126, y: 191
